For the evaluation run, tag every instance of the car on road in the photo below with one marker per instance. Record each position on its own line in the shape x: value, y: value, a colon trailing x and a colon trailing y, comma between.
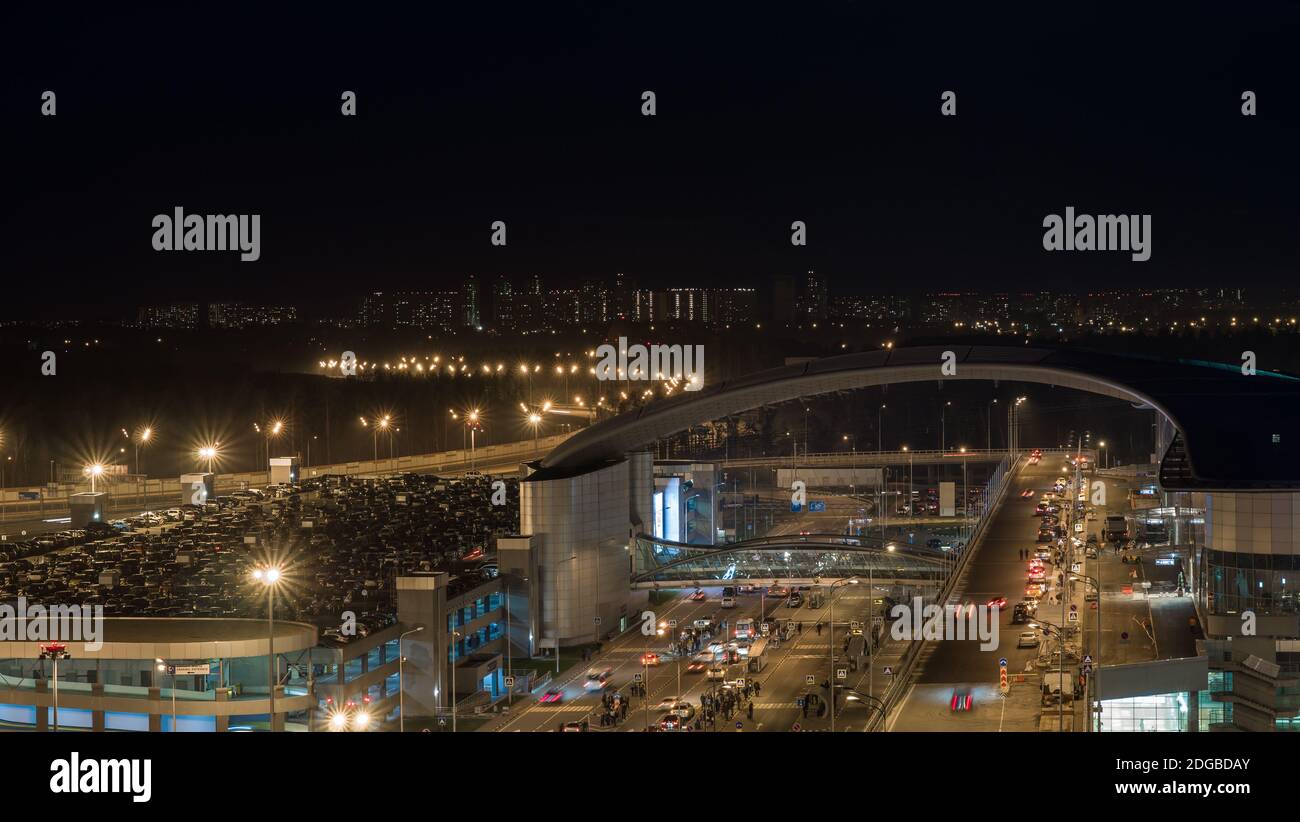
x: 1035, y: 589
x: 698, y: 596
x: 555, y: 695
x: 649, y: 658
x: 1028, y: 493
x: 728, y: 602
x: 795, y: 600
x: 579, y: 726
x: 961, y: 700
x: 598, y: 680
x: 1027, y: 639
x: 998, y: 602
x: 717, y: 674
x: 697, y: 666
x: 1046, y: 535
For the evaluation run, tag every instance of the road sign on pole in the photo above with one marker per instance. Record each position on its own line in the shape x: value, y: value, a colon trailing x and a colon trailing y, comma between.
x: 809, y: 679
x: 841, y: 673
x: 636, y: 677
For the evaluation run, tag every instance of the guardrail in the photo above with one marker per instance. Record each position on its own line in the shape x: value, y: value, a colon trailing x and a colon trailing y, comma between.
x: 144, y: 492
x: 998, y: 484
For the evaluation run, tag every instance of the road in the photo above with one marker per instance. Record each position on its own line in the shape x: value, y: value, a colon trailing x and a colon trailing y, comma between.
x: 999, y: 569
x: 783, y: 679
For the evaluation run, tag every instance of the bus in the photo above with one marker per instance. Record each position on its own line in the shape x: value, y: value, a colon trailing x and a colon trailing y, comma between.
x: 744, y: 628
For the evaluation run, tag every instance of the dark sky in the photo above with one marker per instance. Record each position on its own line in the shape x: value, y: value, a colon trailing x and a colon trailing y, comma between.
x: 530, y: 113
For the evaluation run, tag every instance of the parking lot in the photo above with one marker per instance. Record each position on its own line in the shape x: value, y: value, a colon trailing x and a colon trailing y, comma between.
x: 341, y: 541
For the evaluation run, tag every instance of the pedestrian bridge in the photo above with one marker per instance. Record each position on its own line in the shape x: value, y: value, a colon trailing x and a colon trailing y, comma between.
x: 809, y: 559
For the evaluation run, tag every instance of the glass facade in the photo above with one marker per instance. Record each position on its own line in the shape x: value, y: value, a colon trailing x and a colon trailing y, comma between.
x: 1161, y: 712
x: 1264, y: 583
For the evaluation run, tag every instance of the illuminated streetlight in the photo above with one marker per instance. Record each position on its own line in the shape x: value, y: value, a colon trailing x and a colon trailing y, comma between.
x: 269, y: 576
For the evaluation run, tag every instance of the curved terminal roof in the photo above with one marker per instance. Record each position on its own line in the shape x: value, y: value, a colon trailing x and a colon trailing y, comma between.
x: 1234, y: 431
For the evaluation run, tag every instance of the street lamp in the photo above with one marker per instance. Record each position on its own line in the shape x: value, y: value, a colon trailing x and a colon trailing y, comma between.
x: 401, y: 692
x: 943, y: 426
x: 911, y: 508
x: 55, y: 651
x: 880, y: 428
x: 1102, y: 445
x: 269, y: 576
x: 471, y: 421
x: 831, y: 654
x: 208, y: 453
x: 94, y: 471
x: 163, y: 668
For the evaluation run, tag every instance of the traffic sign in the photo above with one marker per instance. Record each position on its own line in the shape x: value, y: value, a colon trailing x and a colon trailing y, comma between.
x: 795, y: 727
x: 1087, y: 659
x: 1087, y: 668
x: 1002, y: 663
x: 809, y: 679
x: 188, y: 670
x: 1074, y: 607
x: 888, y: 672
x: 672, y: 623
x: 740, y: 725
x: 636, y: 677
x: 841, y: 673
x: 1074, y: 616
x: 817, y: 506
x: 740, y: 683
x: 510, y: 681
x: 596, y: 620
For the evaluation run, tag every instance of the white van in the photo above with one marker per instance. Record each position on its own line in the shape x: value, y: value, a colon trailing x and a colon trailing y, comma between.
x: 728, y: 602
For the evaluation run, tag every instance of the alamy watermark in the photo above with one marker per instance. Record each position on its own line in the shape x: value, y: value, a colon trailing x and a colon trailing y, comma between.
x: 209, y: 232
x: 1105, y: 232
x: 948, y: 622
x: 652, y: 362
x: 55, y: 623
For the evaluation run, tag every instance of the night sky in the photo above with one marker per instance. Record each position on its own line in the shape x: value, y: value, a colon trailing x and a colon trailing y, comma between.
x: 530, y: 113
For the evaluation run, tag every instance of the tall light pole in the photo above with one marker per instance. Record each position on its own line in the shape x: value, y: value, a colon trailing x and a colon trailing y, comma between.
x: 1094, y: 679
x: 273, y: 429
x: 1102, y: 445
x: 401, y: 691
x: 943, y: 426
x: 146, y: 435
x: 965, y: 495
x: 880, y: 428
x: 163, y: 668
x: 471, y: 420
x: 208, y: 454
x: 55, y: 651
x: 988, y: 425
x: 911, y: 509
x: 455, y: 635
x: 94, y: 471
x: 269, y: 576
x: 831, y: 655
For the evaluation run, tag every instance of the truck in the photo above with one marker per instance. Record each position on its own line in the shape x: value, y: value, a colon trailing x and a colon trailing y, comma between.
x: 1116, y: 528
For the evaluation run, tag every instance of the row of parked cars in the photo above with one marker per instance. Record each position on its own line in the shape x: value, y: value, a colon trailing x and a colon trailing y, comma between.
x: 342, y: 542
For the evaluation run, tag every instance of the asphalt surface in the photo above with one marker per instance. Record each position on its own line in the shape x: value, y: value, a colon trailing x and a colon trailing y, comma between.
x: 784, y: 678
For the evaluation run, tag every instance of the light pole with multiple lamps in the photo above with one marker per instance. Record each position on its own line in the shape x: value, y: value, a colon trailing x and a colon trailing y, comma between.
x: 269, y: 576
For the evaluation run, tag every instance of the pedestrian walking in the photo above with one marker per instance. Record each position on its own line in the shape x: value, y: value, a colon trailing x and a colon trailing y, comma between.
x: 751, y: 712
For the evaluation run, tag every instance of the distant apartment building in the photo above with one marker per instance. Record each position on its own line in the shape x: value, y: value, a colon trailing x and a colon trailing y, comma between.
x: 434, y: 310
x: 244, y: 315
x: 177, y: 315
